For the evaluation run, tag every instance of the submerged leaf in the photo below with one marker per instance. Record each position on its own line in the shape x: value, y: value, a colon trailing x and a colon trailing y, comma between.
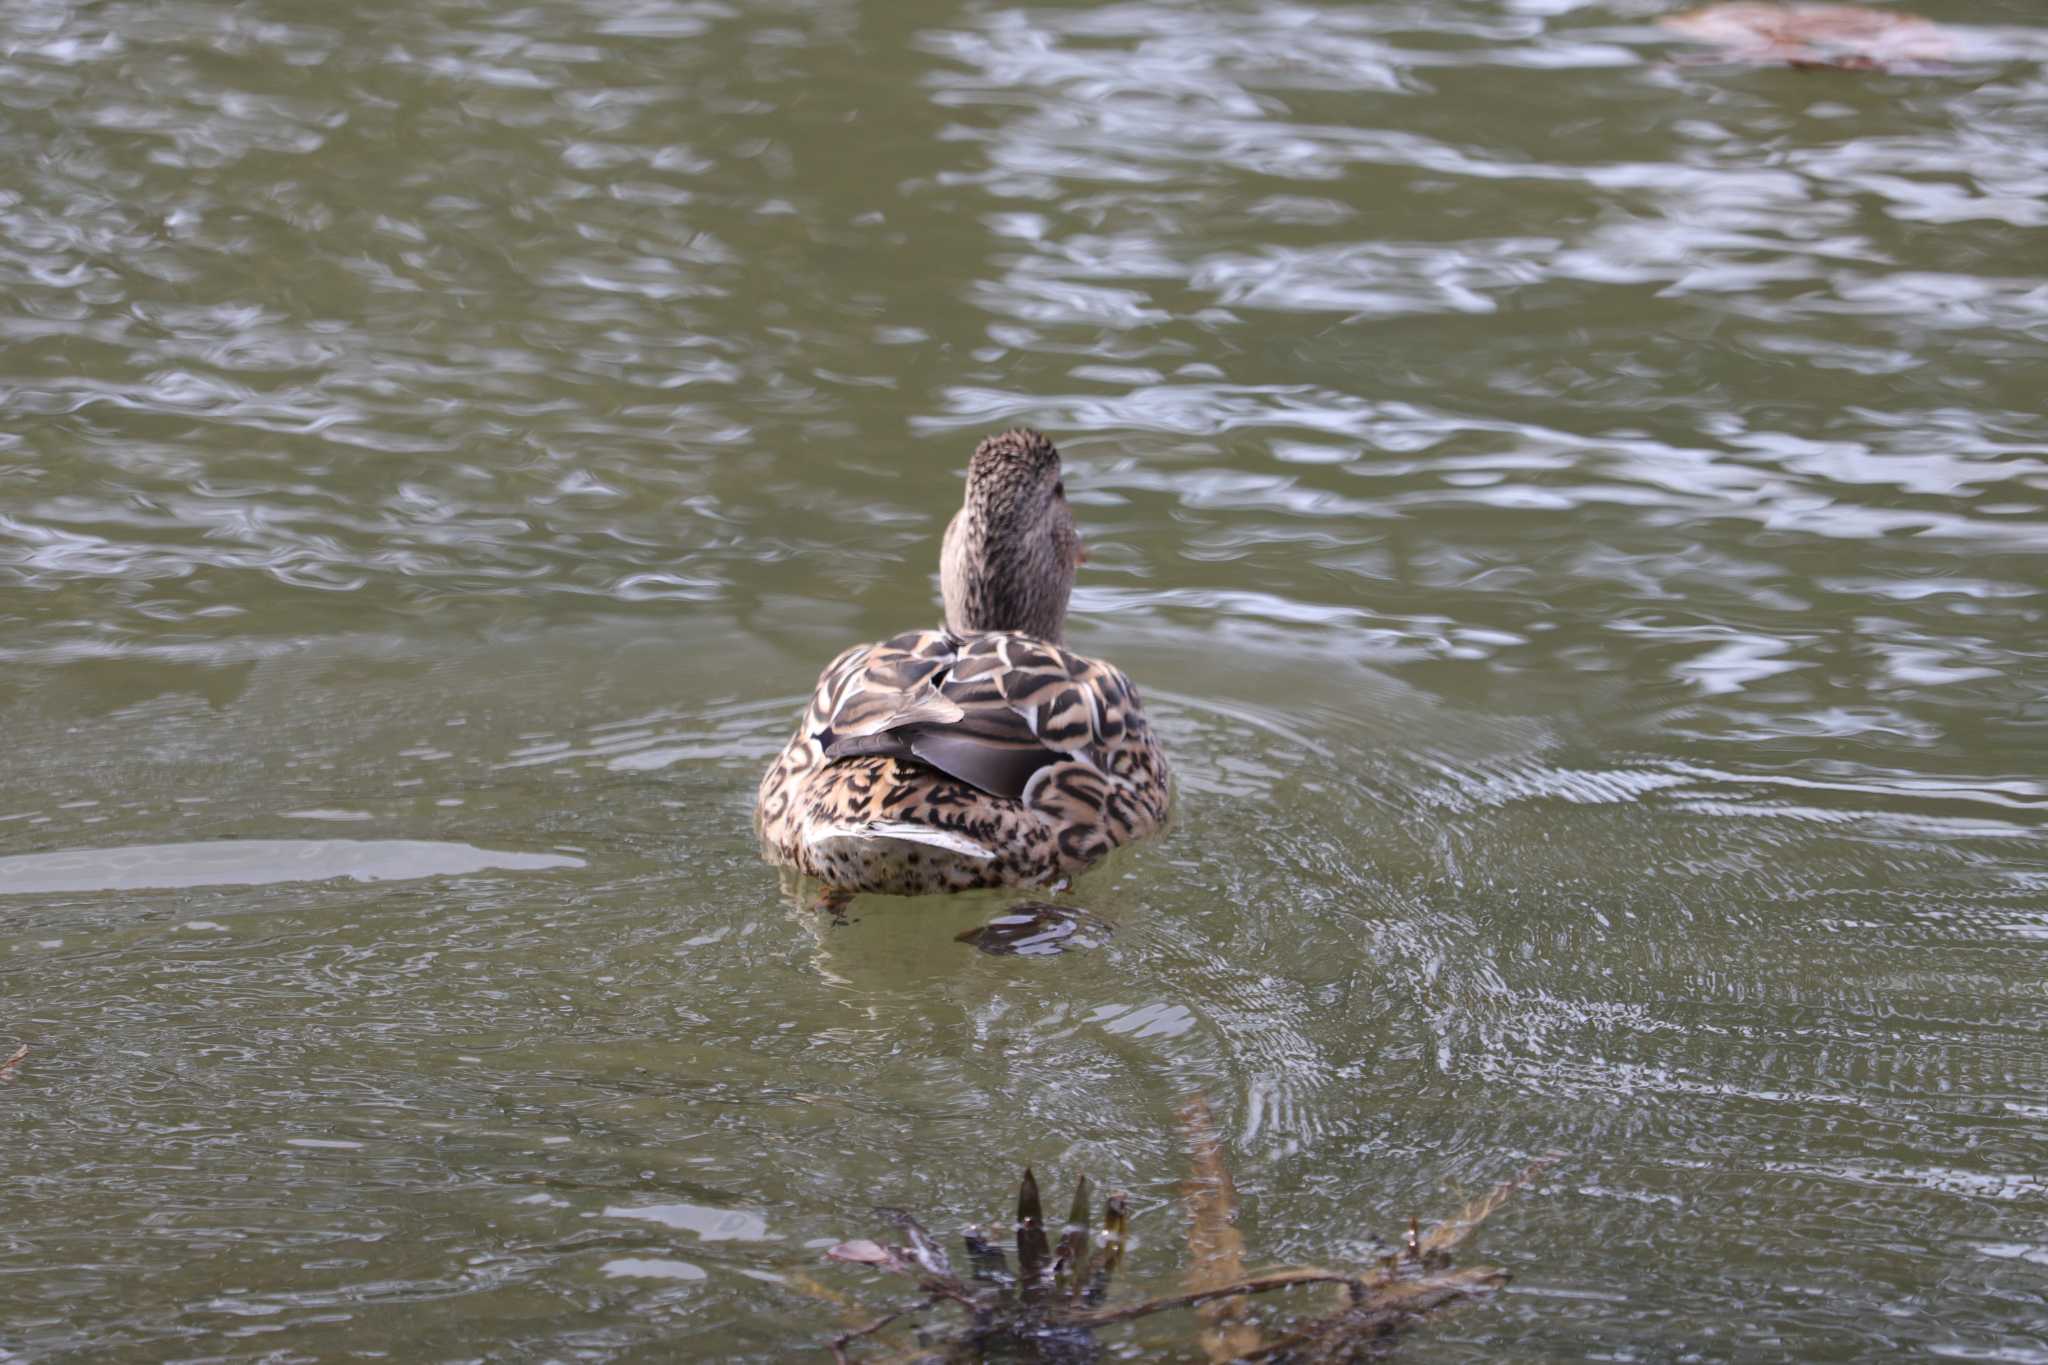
x: 848, y: 1313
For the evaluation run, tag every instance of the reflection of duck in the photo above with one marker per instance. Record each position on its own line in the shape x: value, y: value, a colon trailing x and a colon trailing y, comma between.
x: 983, y: 754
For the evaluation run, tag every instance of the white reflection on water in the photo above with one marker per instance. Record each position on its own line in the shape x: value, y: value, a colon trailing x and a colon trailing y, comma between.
x: 711, y: 1225
x: 651, y: 1268
x: 257, y: 862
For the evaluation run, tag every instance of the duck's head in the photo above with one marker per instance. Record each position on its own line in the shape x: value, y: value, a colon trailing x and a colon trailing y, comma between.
x: 1011, y: 551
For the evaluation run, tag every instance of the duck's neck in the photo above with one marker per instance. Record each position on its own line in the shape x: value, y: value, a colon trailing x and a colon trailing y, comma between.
x: 998, y: 582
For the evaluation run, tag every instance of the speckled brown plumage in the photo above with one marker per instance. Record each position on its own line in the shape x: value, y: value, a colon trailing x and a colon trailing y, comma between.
x: 893, y: 821
x: 984, y: 754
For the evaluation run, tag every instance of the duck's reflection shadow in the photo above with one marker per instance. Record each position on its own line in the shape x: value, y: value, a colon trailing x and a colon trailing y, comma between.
x: 1038, y: 929
x: 1011, y: 928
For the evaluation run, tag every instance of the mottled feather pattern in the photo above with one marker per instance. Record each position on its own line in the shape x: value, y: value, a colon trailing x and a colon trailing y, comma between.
x: 936, y: 762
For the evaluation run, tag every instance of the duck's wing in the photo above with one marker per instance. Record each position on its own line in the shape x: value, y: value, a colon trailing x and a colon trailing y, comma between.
x: 871, y: 688
x: 993, y: 712
x: 867, y: 687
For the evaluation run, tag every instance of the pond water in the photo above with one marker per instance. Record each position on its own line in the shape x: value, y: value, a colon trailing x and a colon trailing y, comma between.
x: 1578, y: 516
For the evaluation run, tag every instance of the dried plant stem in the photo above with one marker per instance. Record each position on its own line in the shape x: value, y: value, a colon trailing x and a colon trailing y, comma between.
x: 1454, y: 1230
x: 1214, y: 1245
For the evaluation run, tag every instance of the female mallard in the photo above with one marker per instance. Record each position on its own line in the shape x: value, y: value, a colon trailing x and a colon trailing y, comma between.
x: 984, y: 754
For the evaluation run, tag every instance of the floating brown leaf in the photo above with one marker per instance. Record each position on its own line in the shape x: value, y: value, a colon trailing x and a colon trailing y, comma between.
x: 1847, y: 37
x: 864, y: 1252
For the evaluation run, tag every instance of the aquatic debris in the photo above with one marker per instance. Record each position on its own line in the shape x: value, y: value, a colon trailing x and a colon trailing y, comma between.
x: 1810, y: 36
x: 11, y: 1061
x: 1051, y: 1305
x: 1038, y: 929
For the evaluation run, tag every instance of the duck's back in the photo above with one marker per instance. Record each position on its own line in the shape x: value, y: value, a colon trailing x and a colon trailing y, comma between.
x: 935, y: 762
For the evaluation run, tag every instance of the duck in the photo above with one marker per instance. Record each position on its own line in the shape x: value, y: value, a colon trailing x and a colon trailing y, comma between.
x: 983, y: 753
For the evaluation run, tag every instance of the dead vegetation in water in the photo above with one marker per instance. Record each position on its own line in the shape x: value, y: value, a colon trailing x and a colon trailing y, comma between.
x: 1811, y: 37
x: 12, y: 1061
x: 1051, y: 1304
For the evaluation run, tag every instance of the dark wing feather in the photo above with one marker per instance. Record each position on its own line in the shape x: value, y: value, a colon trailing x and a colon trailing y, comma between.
x: 1001, y: 769
x: 1001, y: 765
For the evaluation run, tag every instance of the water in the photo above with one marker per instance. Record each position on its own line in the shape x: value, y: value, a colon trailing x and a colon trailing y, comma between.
x: 1577, y: 517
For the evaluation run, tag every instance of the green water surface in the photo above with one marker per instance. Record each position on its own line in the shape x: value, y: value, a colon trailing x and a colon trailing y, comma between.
x: 1578, y: 517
